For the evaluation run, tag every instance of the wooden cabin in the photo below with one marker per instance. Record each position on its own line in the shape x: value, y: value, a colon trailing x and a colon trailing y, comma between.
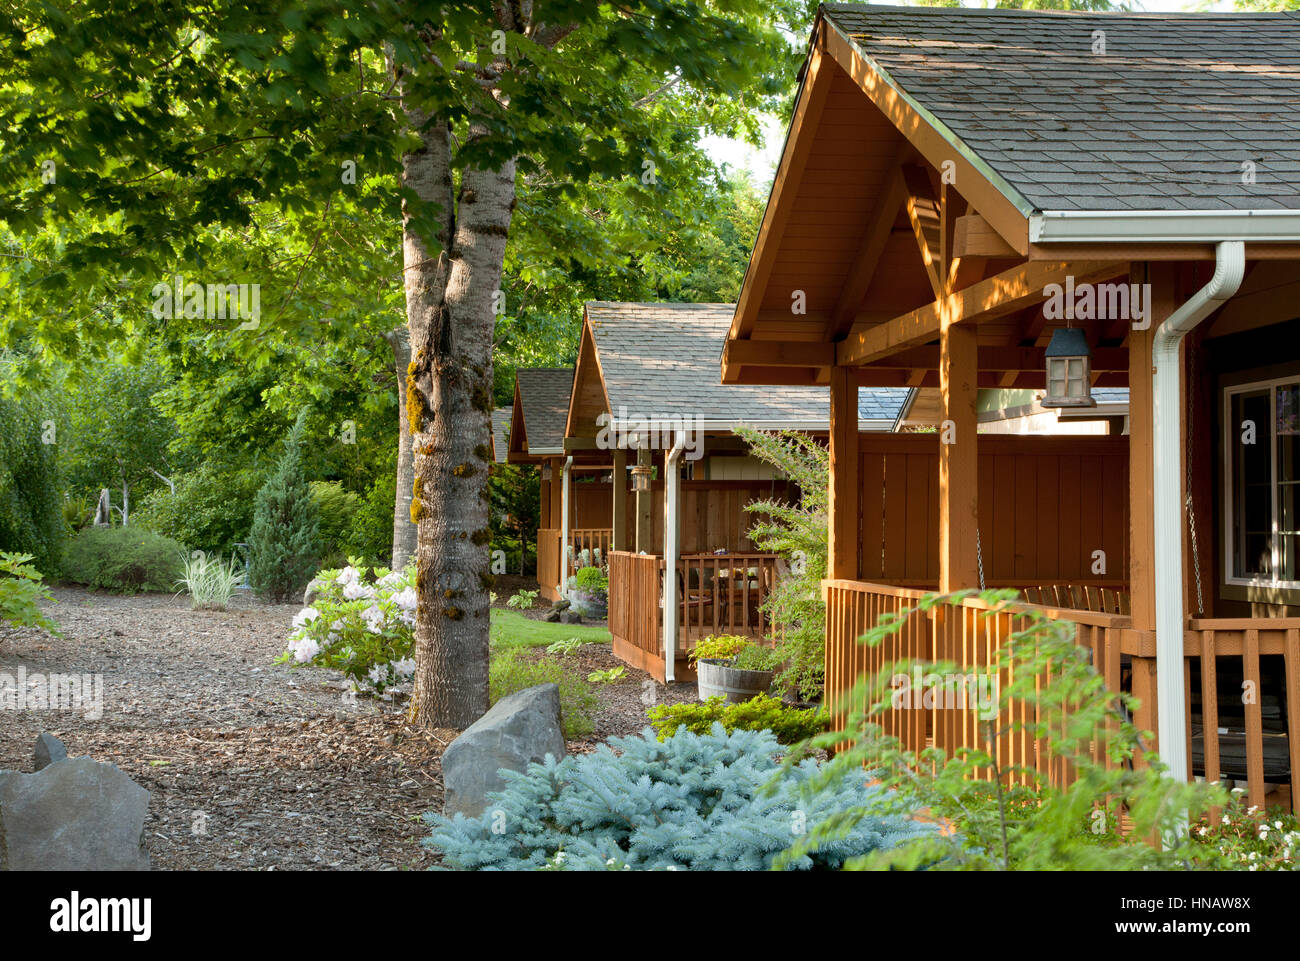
x: 962, y: 195
x: 646, y: 396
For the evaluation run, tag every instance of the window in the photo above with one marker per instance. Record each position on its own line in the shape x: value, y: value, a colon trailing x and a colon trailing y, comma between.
x: 1262, y: 478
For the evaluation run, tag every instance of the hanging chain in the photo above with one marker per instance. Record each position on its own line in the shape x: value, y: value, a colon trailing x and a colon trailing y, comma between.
x: 979, y: 556
x: 1191, y: 501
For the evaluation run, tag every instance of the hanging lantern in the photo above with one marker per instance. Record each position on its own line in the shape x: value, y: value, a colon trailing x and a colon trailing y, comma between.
x: 546, y: 472
x: 1069, y: 370
x: 641, y: 478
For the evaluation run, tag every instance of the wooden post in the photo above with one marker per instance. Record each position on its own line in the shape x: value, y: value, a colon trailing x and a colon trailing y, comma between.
x: 958, y: 458
x: 557, y: 467
x: 619, y: 517
x: 645, y: 506
x: 544, y: 522
x: 845, y: 490
x: 1141, y: 468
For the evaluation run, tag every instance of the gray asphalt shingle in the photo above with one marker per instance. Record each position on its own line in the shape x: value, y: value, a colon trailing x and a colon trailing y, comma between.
x: 544, y: 395
x: 1163, y: 120
x: 661, y: 361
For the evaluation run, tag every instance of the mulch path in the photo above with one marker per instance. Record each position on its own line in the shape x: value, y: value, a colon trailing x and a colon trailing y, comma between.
x: 252, y: 765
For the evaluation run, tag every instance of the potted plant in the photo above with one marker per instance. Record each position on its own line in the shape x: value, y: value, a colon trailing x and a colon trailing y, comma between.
x: 589, y: 592
x: 733, y: 667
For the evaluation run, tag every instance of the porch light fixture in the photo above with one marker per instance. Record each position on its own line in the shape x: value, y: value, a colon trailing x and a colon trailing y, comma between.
x: 641, y: 478
x: 546, y: 472
x: 1069, y: 370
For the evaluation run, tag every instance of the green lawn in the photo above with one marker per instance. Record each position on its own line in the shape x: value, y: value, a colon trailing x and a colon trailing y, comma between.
x: 514, y: 630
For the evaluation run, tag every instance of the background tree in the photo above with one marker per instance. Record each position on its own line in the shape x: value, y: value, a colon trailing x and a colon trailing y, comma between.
x: 284, y: 545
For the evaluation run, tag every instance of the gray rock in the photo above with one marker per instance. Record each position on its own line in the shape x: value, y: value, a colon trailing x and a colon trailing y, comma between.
x: 553, y: 617
x: 518, y: 730
x: 76, y: 815
x: 311, y: 593
x: 563, y: 604
x: 48, y: 750
x: 570, y: 617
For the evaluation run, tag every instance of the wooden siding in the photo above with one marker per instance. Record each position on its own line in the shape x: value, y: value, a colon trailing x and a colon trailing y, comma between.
x: 1045, y: 504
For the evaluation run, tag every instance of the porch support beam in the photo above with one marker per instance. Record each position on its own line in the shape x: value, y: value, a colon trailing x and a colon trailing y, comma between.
x: 644, y: 509
x: 926, y: 217
x: 1141, y: 392
x: 958, y: 459
x: 845, y: 491
x: 864, y: 263
x: 996, y: 296
x: 618, y: 537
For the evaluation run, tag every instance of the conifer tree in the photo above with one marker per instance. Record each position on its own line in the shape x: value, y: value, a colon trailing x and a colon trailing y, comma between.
x: 284, y: 545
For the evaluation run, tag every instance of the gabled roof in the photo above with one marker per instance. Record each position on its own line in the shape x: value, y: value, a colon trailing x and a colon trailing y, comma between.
x: 500, y: 434
x: 660, y: 361
x: 1163, y: 120
x: 541, y: 408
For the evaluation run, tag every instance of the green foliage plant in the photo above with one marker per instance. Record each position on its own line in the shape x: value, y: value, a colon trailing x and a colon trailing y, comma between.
x: 718, y: 647
x: 21, y: 591
x: 284, y: 545
x: 1071, y: 711
x: 700, y: 802
x: 31, y: 515
x: 799, y: 533
x: 610, y: 675
x: 522, y: 600
x: 511, y: 670
x: 567, y: 646
x: 211, y: 507
x: 756, y: 657
x: 593, y: 579
x: 790, y: 725
x: 123, y: 560
x: 208, y: 580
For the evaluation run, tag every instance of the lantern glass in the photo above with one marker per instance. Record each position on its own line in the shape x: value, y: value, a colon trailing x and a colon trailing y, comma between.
x: 1069, y: 370
x: 640, y: 479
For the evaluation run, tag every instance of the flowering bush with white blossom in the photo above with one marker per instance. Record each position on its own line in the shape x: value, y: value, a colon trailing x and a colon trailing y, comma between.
x: 362, y: 627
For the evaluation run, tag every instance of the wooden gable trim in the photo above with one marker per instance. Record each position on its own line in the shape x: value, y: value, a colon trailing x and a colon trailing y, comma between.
x: 926, y: 217
x: 1004, y: 213
x: 863, y: 269
x: 586, y: 348
x: 794, y: 158
x: 517, y: 443
x: 1001, y: 294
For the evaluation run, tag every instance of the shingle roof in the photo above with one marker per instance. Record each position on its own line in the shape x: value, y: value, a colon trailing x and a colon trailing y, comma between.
x: 544, y: 394
x: 1164, y: 120
x: 501, y: 433
x: 661, y: 361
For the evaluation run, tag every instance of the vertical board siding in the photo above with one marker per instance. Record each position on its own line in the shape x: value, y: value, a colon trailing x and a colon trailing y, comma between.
x: 1046, y: 504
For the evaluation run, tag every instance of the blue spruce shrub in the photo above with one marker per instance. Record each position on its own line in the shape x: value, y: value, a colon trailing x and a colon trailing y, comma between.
x: 693, y: 802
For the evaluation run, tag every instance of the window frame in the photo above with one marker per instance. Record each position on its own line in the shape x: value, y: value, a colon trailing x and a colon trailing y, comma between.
x: 1228, y: 497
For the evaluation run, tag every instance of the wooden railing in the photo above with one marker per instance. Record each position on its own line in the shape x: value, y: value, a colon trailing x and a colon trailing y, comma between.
x: 717, y: 594
x: 1243, y: 715
x: 594, y: 540
x: 548, y: 561
x: 723, y: 594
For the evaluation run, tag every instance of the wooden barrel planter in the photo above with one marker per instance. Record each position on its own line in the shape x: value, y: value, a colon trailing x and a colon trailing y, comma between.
x: 715, y: 677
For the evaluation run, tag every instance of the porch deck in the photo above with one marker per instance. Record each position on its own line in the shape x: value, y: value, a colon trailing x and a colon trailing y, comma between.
x: 1255, y: 740
x: 717, y: 594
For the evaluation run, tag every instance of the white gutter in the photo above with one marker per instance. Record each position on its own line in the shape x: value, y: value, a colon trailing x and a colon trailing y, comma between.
x: 1171, y: 709
x: 563, y: 586
x: 1164, y: 226
x: 672, y: 485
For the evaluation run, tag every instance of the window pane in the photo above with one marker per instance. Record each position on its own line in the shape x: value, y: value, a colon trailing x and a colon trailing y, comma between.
x: 1252, y: 483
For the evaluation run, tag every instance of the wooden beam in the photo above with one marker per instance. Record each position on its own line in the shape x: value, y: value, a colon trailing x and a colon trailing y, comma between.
x: 863, y: 269
x: 779, y: 353
x: 580, y: 443
x: 958, y: 459
x: 845, y: 491
x: 618, y: 517
x: 1001, y: 359
x: 1141, y: 468
x: 645, y: 506
x: 1001, y: 294
x: 973, y: 236
x: 924, y: 213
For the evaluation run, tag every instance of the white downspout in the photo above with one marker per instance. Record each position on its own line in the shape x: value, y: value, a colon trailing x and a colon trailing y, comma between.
x: 1171, y: 708
x: 672, y: 485
x: 565, y: 472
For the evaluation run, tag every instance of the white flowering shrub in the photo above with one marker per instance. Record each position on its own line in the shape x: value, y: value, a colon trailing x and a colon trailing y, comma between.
x: 364, y: 628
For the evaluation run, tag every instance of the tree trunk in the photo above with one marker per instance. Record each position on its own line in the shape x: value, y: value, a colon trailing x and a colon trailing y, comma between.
x: 449, y: 395
x: 404, y: 529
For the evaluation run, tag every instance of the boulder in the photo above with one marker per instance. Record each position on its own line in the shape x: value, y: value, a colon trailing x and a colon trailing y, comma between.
x: 518, y: 730
x: 311, y: 592
x: 48, y: 750
x: 553, y: 617
x: 74, y: 815
x: 570, y: 617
